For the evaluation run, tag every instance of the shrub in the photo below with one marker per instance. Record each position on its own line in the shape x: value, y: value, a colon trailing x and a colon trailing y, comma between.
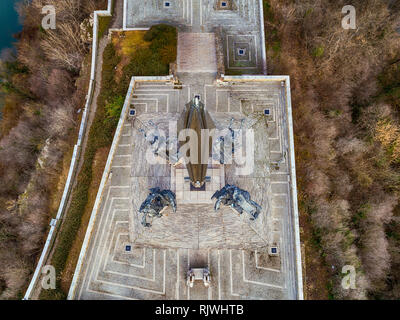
x: 113, y: 108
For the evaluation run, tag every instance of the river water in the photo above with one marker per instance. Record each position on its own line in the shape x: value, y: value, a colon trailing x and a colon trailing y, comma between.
x: 9, y: 25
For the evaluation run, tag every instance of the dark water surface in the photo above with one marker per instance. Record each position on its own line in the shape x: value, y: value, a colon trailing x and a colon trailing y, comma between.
x: 9, y: 23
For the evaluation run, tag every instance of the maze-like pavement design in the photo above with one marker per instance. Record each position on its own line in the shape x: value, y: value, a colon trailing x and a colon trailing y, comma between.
x: 155, y: 271
x: 234, y: 248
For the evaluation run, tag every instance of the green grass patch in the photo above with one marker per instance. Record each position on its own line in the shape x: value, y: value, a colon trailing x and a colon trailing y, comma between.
x: 361, y: 214
x: 104, y: 24
x: 308, y: 12
x: 155, y: 59
x: 272, y: 40
x: 276, y: 47
x: 114, y: 107
x: 318, y: 52
x: 329, y: 287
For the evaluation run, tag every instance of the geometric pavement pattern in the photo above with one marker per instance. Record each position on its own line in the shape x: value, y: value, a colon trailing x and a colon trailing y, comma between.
x: 110, y: 272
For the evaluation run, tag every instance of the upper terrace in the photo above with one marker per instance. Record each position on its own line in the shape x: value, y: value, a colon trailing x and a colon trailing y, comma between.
x: 237, y: 25
x: 234, y: 248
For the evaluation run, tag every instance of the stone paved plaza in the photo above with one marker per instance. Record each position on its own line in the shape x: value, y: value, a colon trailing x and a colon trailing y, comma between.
x: 234, y: 250
x: 123, y: 260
